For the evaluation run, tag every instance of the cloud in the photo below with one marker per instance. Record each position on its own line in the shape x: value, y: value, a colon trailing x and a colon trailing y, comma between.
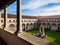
x: 34, y: 4
x: 53, y: 9
x: 42, y: 7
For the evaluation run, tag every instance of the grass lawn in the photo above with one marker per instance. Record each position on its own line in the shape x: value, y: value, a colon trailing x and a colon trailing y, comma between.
x: 51, y: 35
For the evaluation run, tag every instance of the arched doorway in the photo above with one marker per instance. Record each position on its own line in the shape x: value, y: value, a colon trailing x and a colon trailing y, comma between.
x: 23, y: 27
x: 48, y: 26
x: 31, y: 26
x: 44, y: 24
x: 35, y: 25
x: 27, y: 26
x: 54, y: 27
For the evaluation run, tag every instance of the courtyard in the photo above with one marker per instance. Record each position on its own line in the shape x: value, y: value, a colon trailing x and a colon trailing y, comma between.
x: 52, y: 36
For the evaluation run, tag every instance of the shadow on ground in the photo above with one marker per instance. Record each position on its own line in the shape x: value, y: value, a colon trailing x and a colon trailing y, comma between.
x: 2, y: 42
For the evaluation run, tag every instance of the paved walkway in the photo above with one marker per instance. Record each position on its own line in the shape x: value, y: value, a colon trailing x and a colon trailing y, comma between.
x: 22, y: 39
x: 11, y: 39
x: 34, y: 40
x: 2, y: 42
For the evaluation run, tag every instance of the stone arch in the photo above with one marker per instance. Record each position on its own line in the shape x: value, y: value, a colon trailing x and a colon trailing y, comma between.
x: 12, y: 27
x: 34, y: 25
x: 31, y: 26
x: 23, y: 27
x: 53, y: 24
x: 48, y: 26
x: 54, y: 27
x: 43, y: 24
x: 39, y: 23
x: 48, y: 23
x: 27, y: 26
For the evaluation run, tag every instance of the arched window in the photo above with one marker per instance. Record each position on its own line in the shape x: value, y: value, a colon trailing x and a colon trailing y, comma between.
x: 13, y: 20
x: 9, y: 20
x: 48, y: 23
x: 1, y: 20
x: 43, y: 23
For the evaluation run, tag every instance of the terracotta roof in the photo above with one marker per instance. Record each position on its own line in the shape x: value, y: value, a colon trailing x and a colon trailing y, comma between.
x: 23, y: 16
x: 45, y: 17
x: 32, y: 17
x: 29, y: 17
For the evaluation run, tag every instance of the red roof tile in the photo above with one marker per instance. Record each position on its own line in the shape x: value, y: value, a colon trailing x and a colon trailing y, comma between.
x: 45, y: 17
x: 23, y: 16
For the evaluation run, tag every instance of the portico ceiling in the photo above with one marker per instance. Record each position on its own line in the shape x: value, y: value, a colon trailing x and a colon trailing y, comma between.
x: 5, y: 2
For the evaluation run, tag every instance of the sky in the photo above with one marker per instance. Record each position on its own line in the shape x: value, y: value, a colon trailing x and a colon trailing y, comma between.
x: 37, y: 7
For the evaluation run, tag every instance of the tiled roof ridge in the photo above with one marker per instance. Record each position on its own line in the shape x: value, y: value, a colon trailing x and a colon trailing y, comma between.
x: 53, y: 16
x: 31, y: 17
x: 23, y: 16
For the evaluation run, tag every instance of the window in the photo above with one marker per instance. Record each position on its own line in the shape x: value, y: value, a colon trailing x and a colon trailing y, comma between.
x: 22, y: 20
x: 1, y: 20
x: 25, y: 20
x: 13, y: 20
x: 9, y: 20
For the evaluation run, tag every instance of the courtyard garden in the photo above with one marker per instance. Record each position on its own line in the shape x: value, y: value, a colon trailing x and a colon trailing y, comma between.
x: 52, y: 36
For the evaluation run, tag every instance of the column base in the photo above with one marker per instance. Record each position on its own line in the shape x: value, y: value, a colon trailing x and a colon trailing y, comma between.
x: 20, y: 31
x: 10, y: 31
x: 5, y: 28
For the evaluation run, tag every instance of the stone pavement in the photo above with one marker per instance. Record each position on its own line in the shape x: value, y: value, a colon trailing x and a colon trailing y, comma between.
x: 34, y: 40
x: 2, y: 42
x: 12, y: 39
x: 22, y: 39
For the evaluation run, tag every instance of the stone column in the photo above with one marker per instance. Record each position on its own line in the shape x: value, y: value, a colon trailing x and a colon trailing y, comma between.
x: 5, y: 18
x: 43, y: 30
x: 19, y: 17
x: 25, y: 27
x: 0, y: 18
x: 40, y: 29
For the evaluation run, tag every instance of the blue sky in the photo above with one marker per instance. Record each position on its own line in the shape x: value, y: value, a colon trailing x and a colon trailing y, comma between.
x: 37, y: 7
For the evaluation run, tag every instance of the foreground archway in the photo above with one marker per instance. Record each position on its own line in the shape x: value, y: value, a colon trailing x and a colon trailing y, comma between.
x: 12, y: 27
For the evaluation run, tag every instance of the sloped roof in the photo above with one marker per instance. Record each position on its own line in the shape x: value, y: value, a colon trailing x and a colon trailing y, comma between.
x: 33, y: 17
x: 23, y: 16
x: 51, y: 17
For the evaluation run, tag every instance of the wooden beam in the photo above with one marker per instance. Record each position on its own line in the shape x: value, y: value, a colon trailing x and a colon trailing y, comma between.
x: 8, y: 3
